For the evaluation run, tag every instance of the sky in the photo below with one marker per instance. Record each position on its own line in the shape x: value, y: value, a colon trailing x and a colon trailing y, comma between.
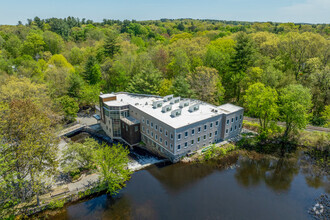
x: 299, y: 11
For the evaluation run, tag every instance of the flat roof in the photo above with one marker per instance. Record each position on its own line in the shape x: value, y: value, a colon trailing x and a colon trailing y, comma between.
x: 107, y: 95
x: 229, y: 108
x: 144, y: 103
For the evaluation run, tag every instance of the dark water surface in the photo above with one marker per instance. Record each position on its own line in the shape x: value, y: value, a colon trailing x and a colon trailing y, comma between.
x: 250, y: 188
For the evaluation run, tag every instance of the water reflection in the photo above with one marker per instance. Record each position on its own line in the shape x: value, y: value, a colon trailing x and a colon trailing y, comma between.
x: 247, y: 190
x: 277, y: 174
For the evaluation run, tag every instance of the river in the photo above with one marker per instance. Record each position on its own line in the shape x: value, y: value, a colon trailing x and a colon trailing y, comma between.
x: 239, y: 186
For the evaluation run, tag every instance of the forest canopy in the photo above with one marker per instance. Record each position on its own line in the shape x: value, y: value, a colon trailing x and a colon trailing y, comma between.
x: 73, y: 59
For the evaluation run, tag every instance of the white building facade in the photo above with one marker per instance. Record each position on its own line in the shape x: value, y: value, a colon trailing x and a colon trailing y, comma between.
x: 168, y: 126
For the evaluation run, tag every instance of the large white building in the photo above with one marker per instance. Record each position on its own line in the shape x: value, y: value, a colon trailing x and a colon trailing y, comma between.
x: 169, y: 126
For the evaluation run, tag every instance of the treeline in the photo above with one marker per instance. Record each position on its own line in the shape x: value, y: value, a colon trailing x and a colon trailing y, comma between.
x: 215, y: 61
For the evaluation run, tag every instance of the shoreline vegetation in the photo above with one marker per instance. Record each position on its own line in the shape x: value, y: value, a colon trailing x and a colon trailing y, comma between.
x: 50, y: 69
x: 221, y: 154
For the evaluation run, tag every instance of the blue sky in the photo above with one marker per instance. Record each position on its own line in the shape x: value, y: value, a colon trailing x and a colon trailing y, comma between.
x: 310, y: 11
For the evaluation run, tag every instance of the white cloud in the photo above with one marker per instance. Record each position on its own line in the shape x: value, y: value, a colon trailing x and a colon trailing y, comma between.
x: 313, y: 11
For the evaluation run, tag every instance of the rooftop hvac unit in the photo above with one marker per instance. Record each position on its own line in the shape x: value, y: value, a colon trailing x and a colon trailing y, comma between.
x: 176, y: 113
x: 168, y: 98
x: 157, y: 104
x: 175, y: 100
x: 166, y: 108
x: 194, y: 108
x: 184, y: 104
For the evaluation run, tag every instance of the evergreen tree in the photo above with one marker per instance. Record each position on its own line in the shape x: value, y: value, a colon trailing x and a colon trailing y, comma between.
x: 146, y: 82
x: 111, y: 46
x: 181, y: 87
x: 92, y: 73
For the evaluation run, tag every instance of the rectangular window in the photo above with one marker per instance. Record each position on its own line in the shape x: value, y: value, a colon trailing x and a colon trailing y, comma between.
x: 171, y: 146
x: 142, y: 119
x: 179, y: 136
x: 205, y: 127
x: 142, y: 128
x: 152, y: 134
x: 156, y: 136
x: 185, y: 144
x: 193, y: 131
x: 236, y: 118
x: 228, y: 122
x: 226, y: 131
x: 147, y: 122
x: 166, y: 133
x: 166, y: 143
x: 179, y: 147
x: 210, y: 135
x: 232, y: 120
x: 160, y: 140
x: 239, y: 125
x: 198, y: 139
x: 216, y: 123
x: 240, y: 117
x: 156, y: 127
x: 186, y: 134
x: 216, y: 133
x: 231, y: 129
x: 151, y: 124
x: 192, y: 142
x: 235, y: 127
x: 204, y: 137
x: 211, y: 125
x: 160, y: 129
x: 171, y: 136
x: 199, y: 129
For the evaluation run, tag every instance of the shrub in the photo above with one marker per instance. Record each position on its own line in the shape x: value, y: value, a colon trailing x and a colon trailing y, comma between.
x: 56, y: 204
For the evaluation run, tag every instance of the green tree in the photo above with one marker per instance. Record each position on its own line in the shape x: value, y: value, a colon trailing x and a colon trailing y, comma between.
x: 219, y: 54
x: 53, y: 42
x: 261, y: 102
x: 146, y: 82
x: 243, y: 58
x: 179, y: 64
x: 68, y: 106
x: 33, y: 45
x: 112, y: 162
x: 111, y: 45
x: 76, y: 56
x: 206, y: 84
x: 92, y: 73
x: 165, y: 87
x: 181, y: 87
x: 295, y: 103
x: 79, y: 155
x: 326, y: 116
x: 13, y: 45
x: 75, y: 84
x: 25, y: 127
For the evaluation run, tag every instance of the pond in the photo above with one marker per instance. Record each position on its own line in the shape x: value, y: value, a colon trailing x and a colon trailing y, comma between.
x: 237, y: 187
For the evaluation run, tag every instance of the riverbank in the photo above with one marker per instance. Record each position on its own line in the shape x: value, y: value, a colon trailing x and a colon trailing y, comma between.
x: 241, y: 184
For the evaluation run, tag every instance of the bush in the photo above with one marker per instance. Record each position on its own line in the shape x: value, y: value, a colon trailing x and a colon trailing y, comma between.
x: 318, y: 140
x: 251, y: 126
x: 56, y: 204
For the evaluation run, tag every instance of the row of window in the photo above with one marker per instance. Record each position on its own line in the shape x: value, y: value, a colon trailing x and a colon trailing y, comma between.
x: 236, y: 119
x: 198, y: 140
x: 231, y: 129
x: 186, y: 133
x: 160, y: 141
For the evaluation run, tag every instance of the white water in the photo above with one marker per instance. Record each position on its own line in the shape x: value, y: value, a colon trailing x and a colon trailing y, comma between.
x: 142, y: 161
